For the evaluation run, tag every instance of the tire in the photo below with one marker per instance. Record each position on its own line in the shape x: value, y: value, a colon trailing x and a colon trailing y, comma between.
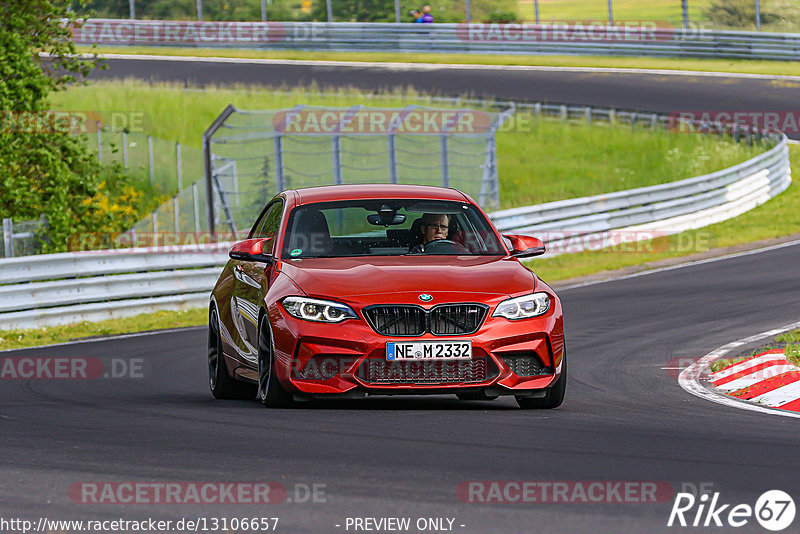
x: 554, y: 396
x: 270, y: 392
x: 222, y: 386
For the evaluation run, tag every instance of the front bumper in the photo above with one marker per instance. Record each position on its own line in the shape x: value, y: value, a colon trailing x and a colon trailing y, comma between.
x: 509, y: 357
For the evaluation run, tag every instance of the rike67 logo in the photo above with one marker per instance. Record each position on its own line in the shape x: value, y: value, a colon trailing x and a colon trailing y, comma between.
x: 774, y: 510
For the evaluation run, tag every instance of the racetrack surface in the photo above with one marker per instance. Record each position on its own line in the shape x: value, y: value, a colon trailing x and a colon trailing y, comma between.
x: 638, y: 91
x: 624, y: 419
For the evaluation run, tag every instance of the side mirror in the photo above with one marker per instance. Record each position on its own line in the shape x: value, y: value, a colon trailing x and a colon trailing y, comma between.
x: 523, y: 246
x: 251, y: 250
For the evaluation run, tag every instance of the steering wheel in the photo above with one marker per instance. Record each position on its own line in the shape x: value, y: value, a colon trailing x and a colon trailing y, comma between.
x: 444, y: 246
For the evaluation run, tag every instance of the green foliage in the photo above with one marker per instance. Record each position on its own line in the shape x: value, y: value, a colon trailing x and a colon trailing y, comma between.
x: 291, y: 10
x: 792, y: 352
x: 789, y: 337
x: 502, y: 16
x: 16, y: 339
x: 738, y: 13
x: 46, y: 170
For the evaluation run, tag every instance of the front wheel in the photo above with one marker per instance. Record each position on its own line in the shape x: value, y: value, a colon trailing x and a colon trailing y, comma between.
x: 222, y: 386
x: 270, y: 392
x: 554, y: 396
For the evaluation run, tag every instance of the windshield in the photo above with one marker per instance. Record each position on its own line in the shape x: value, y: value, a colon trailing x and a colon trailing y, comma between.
x: 390, y: 227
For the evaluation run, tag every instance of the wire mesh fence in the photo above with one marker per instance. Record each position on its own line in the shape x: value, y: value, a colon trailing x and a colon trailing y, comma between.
x: 23, y: 238
x: 252, y: 155
x: 167, y: 165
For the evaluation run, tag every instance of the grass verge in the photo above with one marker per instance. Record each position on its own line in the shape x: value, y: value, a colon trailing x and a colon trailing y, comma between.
x: 548, y: 161
x: 777, y: 218
x: 736, y: 66
x: 789, y: 342
x: 17, y: 339
x: 539, y: 160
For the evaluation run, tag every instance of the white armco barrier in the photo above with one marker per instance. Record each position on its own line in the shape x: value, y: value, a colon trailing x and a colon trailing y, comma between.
x: 53, y: 289
x: 648, y: 212
x: 66, y: 288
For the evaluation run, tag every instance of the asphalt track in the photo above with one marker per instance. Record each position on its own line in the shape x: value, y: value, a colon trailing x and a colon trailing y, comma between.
x: 625, y: 419
x: 650, y: 92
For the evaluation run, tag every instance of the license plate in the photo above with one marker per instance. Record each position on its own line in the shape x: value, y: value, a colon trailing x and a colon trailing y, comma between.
x: 428, y: 350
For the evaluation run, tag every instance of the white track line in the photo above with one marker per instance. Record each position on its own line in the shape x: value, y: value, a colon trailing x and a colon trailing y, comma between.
x: 690, y: 378
x: 682, y: 265
x: 112, y: 337
x: 445, y: 66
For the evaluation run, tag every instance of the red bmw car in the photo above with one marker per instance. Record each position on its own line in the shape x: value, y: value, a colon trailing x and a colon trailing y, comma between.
x: 347, y: 291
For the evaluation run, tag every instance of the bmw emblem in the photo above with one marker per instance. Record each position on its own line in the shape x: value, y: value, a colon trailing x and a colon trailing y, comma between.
x: 425, y: 297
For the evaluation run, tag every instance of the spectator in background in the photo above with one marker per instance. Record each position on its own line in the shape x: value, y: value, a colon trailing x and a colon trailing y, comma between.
x: 427, y: 18
x: 417, y: 14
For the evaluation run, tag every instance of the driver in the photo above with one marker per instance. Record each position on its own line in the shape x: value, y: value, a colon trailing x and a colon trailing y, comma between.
x: 435, y: 226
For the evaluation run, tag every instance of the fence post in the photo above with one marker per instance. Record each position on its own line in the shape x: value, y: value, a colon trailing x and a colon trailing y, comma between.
x: 444, y: 161
x: 99, y: 143
x: 564, y: 114
x: 278, y: 148
x: 124, y: 149
x: 337, y: 160
x: 654, y: 122
x: 176, y: 214
x: 8, y: 238
x: 588, y: 113
x: 180, y: 166
x: 392, y: 160
x: 150, y: 159
x: 196, y: 202
x: 612, y: 116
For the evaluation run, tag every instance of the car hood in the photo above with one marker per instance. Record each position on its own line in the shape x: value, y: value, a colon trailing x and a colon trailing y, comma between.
x: 400, y: 275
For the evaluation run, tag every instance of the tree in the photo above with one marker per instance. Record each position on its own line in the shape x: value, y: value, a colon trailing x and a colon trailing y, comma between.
x: 44, y: 168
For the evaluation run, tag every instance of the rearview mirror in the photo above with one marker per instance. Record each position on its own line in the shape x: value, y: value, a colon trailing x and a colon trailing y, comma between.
x: 251, y: 250
x: 389, y: 219
x: 524, y: 246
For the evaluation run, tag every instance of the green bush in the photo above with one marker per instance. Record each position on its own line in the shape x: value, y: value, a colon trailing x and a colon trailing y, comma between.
x: 47, y: 170
x: 739, y: 13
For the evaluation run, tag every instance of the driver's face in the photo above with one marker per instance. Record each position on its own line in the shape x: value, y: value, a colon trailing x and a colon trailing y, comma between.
x: 435, y: 229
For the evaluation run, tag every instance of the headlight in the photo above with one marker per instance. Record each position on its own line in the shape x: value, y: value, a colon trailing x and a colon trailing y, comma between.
x: 323, y: 311
x: 523, y: 307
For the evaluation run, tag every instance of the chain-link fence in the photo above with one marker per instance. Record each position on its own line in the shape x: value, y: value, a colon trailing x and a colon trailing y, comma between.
x: 169, y: 166
x: 23, y: 238
x: 251, y: 155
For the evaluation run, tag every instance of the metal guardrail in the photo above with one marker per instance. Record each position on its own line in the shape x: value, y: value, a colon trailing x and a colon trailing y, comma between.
x: 655, y: 210
x: 66, y: 288
x: 643, y: 39
x: 92, y: 286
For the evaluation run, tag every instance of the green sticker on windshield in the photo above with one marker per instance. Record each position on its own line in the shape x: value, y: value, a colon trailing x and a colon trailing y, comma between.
x: 296, y: 252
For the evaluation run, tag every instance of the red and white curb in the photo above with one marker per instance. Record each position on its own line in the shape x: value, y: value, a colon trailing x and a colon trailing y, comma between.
x: 767, y: 379
x: 765, y: 383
